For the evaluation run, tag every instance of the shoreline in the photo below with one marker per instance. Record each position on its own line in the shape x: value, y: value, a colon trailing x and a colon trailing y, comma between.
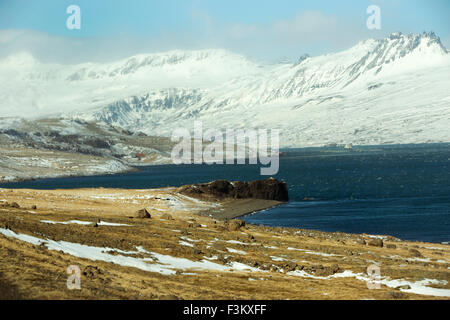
x: 136, y: 167
x: 228, y: 209
x: 236, y: 208
x: 65, y: 176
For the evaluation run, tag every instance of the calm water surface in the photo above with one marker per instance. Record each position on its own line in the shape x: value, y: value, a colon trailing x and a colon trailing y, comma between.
x: 403, y: 190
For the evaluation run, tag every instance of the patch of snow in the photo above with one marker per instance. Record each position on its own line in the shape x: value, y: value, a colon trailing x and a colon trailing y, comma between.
x: 236, y: 251
x: 236, y: 242
x: 315, y: 252
x: 166, y: 265
x: 187, y: 244
x: 277, y: 258
x: 418, y: 287
x: 101, y: 223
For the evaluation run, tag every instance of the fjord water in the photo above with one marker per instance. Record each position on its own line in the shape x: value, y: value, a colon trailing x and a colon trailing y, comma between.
x: 399, y: 190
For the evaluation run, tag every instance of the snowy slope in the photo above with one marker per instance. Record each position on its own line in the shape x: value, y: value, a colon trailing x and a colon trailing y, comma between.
x: 393, y: 90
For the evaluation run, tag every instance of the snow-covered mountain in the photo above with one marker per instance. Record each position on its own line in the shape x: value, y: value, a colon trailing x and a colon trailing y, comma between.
x: 393, y: 90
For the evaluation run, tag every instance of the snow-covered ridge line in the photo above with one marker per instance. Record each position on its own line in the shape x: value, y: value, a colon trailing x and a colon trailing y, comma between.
x: 392, y: 90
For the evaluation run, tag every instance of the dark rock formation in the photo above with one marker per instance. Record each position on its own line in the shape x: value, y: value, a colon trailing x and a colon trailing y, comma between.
x: 270, y: 189
x: 143, y: 214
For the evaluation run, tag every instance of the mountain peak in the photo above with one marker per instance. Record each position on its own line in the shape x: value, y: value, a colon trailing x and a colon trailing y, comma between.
x: 410, y: 50
x: 413, y: 40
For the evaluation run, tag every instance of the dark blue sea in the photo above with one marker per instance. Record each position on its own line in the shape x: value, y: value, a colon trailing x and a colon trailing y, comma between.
x: 401, y: 190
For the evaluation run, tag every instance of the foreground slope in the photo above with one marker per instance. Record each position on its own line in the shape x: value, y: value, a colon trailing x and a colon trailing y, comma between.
x: 178, y: 254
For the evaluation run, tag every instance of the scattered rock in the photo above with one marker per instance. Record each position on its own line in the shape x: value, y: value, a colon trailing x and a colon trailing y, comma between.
x: 405, y: 287
x: 254, y: 264
x: 322, y: 271
x: 220, y: 228
x: 235, y: 225
x: 335, y: 268
x: 415, y: 253
x: 33, y: 207
x: 223, y: 259
x: 166, y: 216
x: 14, y: 205
x: 391, y: 246
x: 247, y: 237
x: 219, y: 246
x: 290, y: 266
x: 273, y: 268
x: 195, y: 225
x: 360, y: 241
x: 92, y: 272
x: 196, y: 251
x: 143, y: 214
x: 376, y: 243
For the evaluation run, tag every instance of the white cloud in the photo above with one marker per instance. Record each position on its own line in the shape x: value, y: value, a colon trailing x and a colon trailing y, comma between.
x: 6, y: 36
x: 309, y: 26
x: 312, y: 32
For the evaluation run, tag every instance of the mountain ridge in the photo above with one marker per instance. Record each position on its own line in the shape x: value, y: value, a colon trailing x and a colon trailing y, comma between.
x: 156, y: 93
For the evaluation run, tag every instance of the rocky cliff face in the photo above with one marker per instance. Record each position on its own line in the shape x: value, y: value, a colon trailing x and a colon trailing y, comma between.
x: 270, y: 189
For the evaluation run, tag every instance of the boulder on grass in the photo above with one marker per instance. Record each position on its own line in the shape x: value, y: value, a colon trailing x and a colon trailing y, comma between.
x: 415, y: 253
x: 235, y: 225
x: 143, y: 214
x: 14, y: 205
x: 360, y: 241
x: 166, y: 216
x: 376, y: 243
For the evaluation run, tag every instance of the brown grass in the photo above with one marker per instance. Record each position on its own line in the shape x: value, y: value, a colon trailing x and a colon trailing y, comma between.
x: 34, y: 272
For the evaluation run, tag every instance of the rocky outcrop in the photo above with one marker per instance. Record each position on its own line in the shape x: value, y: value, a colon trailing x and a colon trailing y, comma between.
x: 270, y: 189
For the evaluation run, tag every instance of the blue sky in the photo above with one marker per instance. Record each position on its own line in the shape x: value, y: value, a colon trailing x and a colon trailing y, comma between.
x: 265, y: 29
